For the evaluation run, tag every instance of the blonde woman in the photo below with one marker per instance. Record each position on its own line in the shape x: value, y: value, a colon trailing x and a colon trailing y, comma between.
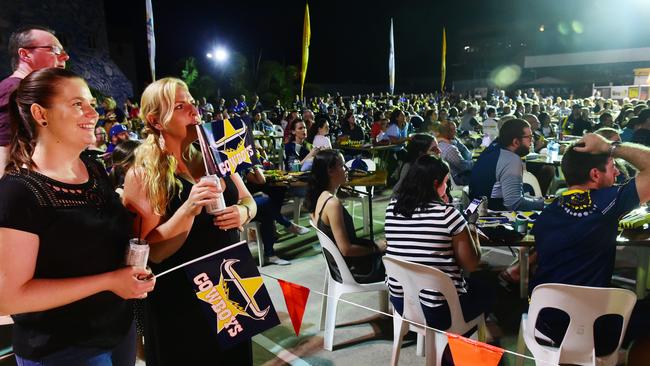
x: 165, y: 191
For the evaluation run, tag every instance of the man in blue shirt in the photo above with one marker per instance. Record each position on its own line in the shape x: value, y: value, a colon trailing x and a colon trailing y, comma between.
x: 575, y: 236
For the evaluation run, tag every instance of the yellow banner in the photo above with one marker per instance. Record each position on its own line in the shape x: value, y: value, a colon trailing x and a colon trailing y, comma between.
x: 443, y: 66
x: 306, y: 37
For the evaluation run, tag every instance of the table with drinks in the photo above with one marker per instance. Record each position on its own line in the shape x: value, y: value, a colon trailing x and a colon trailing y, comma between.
x: 369, y: 180
x: 635, y: 236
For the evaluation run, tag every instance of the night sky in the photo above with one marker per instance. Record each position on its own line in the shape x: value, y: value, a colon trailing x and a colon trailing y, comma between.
x: 349, y: 41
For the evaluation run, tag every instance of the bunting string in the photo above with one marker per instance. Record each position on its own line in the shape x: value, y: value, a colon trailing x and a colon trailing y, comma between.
x: 406, y: 320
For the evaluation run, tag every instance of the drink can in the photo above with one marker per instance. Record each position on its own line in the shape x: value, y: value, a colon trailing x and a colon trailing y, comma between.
x: 137, y: 253
x: 521, y: 224
x: 218, y: 204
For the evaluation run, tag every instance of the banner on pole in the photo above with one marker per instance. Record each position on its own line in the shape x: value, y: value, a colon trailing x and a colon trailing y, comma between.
x: 306, y: 41
x: 151, y: 40
x: 233, y: 296
x: 391, y: 59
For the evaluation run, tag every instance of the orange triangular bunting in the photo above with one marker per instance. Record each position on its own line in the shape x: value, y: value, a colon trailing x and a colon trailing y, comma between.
x: 468, y: 352
x: 295, y: 296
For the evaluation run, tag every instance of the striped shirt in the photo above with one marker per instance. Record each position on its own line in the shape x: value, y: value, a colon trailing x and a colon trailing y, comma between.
x: 425, y: 238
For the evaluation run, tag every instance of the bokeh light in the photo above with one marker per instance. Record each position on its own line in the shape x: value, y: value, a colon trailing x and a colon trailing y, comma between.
x: 504, y: 76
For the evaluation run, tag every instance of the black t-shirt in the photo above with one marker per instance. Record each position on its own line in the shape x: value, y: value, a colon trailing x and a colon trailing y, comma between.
x: 83, y: 229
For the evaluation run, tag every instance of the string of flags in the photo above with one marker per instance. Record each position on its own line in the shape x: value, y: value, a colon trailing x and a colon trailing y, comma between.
x: 238, y: 306
x: 464, y: 351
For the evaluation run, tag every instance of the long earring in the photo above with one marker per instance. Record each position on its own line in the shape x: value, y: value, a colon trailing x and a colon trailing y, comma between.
x: 161, y: 142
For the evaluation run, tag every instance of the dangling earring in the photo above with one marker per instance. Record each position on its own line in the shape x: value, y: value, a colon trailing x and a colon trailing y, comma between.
x: 161, y: 142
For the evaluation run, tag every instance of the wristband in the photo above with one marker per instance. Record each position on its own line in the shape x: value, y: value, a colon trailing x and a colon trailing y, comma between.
x: 248, y: 213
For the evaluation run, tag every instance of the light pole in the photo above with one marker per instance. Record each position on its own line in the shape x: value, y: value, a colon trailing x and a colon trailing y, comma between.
x: 220, y: 56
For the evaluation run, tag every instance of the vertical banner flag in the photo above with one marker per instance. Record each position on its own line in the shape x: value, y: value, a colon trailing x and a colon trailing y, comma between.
x: 468, y: 352
x: 151, y: 40
x: 306, y: 38
x: 443, y: 65
x: 232, y: 293
x: 295, y: 296
x: 226, y: 146
x: 391, y: 60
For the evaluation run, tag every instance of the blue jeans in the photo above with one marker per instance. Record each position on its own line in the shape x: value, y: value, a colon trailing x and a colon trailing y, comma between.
x: 122, y: 355
x: 265, y: 213
x: 276, y: 196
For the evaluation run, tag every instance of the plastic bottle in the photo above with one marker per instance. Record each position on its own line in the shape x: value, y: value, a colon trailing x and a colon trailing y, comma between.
x: 553, y: 151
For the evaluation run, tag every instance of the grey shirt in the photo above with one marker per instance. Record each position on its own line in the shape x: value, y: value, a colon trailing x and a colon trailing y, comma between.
x: 509, y: 184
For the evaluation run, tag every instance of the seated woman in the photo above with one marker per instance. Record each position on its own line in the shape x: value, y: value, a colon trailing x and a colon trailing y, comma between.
x: 318, y: 133
x: 420, y: 144
x: 351, y: 129
x: 362, y: 256
x: 296, y: 149
x: 421, y: 228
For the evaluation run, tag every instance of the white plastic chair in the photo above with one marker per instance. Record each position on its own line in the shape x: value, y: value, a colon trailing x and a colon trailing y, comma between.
x: 279, y: 131
x: 413, y: 278
x: 363, y: 198
x: 531, y: 180
x: 335, y: 289
x: 583, y: 305
x: 255, y: 226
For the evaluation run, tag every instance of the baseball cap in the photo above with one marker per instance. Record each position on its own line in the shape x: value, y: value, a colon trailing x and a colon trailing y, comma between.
x: 117, y: 129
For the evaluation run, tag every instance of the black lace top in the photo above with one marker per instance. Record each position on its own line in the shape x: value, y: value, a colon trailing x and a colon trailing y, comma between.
x: 83, y: 230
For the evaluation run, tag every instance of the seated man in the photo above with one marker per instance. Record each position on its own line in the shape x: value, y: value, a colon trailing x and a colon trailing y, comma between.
x: 498, y: 172
x: 575, y: 235
x: 455, y: 153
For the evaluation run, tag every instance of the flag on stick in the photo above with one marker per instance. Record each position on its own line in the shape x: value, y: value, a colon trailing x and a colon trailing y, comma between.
x: 235, y: 302
x: 227, y: 146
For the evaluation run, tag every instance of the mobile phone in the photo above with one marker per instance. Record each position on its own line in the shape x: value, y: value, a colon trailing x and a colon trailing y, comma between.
x: 473, y: 206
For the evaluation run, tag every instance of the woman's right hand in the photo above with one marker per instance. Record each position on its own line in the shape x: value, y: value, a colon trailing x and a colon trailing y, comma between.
x: 125, y: 282
x: 202, y: 193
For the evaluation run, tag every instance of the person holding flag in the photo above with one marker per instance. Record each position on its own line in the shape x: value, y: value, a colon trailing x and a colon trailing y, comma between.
x: 164, y: 189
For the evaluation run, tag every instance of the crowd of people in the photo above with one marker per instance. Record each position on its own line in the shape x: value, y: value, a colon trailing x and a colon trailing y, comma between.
x: 114, y: 173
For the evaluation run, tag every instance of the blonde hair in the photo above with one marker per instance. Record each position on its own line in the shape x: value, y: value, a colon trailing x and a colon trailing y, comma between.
x: 156, y: 165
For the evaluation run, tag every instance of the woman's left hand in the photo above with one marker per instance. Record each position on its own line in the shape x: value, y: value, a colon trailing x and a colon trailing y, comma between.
x: 231, y: 217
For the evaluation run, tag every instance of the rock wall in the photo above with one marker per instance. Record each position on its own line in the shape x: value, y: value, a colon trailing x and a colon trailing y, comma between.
x: 80, y: 25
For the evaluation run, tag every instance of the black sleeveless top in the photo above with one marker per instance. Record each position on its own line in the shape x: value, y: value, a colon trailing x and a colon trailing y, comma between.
x: 176, y: 329
x: 364, y: 269
x: 83, y: 229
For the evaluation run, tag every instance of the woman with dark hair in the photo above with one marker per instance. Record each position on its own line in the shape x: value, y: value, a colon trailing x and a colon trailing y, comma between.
x: 362, y: 256
x: 422, y: 228
x: 63, y: 233
x: 122, y: 159
x: 297, y: 149
x: 420, y: 144
x: 350, y: 129
x: 545, y: 126
x: 397, y: 127
x: 317, y: 135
